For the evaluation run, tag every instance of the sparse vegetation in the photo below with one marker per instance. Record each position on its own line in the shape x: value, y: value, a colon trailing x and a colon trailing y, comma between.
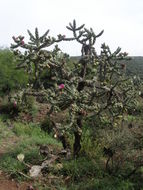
x: 77, y: 123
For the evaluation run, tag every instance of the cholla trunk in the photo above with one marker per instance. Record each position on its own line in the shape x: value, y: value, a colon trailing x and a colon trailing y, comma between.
x: 77, y: 135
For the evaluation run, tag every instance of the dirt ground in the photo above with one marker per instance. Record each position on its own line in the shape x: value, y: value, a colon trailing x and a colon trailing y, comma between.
x: 9, y: 184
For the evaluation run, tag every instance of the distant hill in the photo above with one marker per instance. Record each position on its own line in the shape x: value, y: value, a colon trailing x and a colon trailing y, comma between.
x: 134, y: 66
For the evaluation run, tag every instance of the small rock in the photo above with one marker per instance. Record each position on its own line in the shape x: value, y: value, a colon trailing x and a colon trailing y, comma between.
x: 35, y: 171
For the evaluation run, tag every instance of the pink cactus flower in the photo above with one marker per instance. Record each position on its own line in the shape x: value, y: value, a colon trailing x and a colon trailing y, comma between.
x: 22, y: 42
x: 61, y: 86
x: 14, y: 103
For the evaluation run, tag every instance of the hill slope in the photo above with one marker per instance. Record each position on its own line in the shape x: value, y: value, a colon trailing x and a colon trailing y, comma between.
x: 134, y: 66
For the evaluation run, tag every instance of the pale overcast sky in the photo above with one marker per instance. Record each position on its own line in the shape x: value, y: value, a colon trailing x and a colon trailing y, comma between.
x: 122, y: 21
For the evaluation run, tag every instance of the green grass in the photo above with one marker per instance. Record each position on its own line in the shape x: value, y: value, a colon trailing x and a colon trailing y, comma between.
x: 32, y: 134
x: 5, y: 132
x: 89, y: 174
x: 80, y: 168
x: 30, y: 138
x: 86, y: 171
x: 102, y: 184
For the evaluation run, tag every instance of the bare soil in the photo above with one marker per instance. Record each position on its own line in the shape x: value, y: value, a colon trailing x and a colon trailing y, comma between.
x: 9, y: 184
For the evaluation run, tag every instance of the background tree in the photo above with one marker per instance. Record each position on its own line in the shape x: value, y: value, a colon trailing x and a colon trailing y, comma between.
x: 10, y: 78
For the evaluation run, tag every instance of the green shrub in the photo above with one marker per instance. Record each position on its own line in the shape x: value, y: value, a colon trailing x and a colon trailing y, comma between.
x: 11, y: 109
x: 30, y: 105
x: 10, y: 78
x: 46, y: 125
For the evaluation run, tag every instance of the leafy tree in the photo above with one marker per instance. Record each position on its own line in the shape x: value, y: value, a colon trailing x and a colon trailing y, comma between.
x: 10, y: 78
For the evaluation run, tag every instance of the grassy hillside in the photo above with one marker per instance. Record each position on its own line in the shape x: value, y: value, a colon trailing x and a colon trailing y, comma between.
x: 135, y: 66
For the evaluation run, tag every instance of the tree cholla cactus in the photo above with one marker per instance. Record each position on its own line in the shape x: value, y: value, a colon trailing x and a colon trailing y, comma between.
x: 95, y: 87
